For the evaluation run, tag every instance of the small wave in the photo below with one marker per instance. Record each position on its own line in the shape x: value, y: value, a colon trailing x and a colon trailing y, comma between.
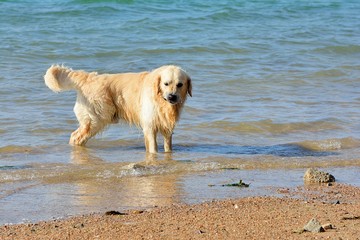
x: 63, y: 173
x: 102, y: 1
x: 49, y: 130
x: 268, y: 126
x: 213, y: 49
x: 331, y: 144
x: 18, y: 149
x: 330, y: 73
x: 278, y: 150
x: 14, y: 167
x: 59, y: 173
x: 349, y: 49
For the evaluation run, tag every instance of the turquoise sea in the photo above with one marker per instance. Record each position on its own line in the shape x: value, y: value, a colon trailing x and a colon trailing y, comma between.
x: 276, y: 89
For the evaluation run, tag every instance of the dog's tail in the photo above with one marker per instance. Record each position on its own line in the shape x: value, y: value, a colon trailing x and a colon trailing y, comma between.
x: 59, y: 78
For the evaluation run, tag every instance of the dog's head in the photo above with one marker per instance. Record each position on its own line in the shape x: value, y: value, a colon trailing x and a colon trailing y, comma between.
x: 173, y: 84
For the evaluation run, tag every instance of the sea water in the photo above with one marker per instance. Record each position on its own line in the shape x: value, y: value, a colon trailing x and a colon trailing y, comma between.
x: 275, y: 90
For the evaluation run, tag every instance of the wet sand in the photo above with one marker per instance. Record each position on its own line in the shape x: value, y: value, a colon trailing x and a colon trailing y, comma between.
x: 337, y: 207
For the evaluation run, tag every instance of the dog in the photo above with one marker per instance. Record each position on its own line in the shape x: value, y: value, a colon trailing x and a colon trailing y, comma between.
x: 150, y: 100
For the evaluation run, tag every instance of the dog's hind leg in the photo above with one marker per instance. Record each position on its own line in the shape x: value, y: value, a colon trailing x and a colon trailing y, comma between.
x: 81, y: 135
x: 90, y: 125
x: 85, y: 131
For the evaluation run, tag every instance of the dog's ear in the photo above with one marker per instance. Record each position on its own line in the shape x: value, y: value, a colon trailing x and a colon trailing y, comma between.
x: 157, y: 82
x: 189, y: 85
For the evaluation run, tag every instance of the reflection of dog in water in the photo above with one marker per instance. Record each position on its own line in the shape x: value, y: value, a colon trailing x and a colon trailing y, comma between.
x: 151, y: 100
x: 102, y: 186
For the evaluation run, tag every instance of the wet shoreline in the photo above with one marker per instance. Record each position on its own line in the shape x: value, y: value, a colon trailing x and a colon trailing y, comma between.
x: 58, y: 199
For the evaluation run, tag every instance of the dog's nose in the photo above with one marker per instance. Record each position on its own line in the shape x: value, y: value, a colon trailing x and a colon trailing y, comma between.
x: 172, y: 98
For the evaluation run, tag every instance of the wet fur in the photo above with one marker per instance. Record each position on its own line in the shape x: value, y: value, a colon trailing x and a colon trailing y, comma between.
x: 141, y: 99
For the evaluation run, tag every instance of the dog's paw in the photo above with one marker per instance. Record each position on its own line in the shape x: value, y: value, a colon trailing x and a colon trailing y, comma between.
x: 77, y: 138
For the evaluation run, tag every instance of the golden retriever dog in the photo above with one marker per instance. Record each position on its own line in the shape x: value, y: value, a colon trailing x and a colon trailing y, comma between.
x: 151, y: 100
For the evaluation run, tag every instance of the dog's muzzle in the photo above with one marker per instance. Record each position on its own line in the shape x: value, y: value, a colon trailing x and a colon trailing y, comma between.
x: 172, y: 98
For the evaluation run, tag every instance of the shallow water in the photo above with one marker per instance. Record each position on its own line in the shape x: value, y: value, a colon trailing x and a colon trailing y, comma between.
x: 275, y: 91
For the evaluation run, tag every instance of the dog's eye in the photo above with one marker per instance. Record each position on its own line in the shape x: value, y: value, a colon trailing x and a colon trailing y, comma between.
x: 166, y: 84
x: 179, y: 85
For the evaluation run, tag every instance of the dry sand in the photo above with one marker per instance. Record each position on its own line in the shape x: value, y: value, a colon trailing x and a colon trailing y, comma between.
x: 337, y: 206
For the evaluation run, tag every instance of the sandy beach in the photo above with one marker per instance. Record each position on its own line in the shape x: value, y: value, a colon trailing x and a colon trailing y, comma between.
x: 335, y: 206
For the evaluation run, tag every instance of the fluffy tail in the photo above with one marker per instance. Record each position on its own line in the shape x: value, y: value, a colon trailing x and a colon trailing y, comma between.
x: 59, y: 78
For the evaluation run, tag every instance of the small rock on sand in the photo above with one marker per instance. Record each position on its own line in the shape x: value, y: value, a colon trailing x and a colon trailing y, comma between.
x: 315, y: 176
x: 328, y: 226
x: 313, y: 226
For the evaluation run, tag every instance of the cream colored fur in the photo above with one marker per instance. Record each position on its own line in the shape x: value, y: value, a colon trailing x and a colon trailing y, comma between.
x: 151, y: 100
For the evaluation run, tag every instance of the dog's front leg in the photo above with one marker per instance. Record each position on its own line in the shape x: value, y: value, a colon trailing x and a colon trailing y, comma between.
x: 150, y: 141
x: 168, y: 142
